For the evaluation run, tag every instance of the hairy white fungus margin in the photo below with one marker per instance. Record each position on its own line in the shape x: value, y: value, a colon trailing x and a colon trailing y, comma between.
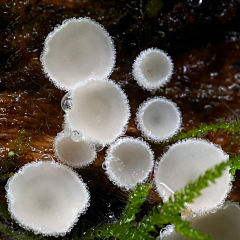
x: 128, y: 161
x: 99, y: 112
x: 221, y: 225
x: 187, y: 160
x: 77, y: 50
x: 75, y: 154
x: 152, y: 69
x: 158, y: 118
x: 47, y: 198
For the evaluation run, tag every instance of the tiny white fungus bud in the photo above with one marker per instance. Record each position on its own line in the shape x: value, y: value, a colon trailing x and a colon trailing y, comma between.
x: 100, y: 111
x: 152, y: 69
x: 75, y: 154
x: 128, y: 161
x: 46, y: 197
x: 77, y: 50
x: 158, y: 119
x: 221, y: 225
x: 187, y: 160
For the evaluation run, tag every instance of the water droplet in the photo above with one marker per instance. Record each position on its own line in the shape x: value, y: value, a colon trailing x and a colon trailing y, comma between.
x: 76, y: 136
x: 97, y: 146
x: 111, y: 215
x: 195, y: 3
x: 165, y: 149
x: 66, y: 102
x: 104, y: 167
x: 46, y: 157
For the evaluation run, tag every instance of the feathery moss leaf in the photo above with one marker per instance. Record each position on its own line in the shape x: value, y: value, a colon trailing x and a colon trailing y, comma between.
x: 203, y: 129
x: 162, y: 214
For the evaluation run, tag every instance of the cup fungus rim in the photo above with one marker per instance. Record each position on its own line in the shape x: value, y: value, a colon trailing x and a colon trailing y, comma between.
x: 60, y: 136
x: 112, y: 177
x: 205, y: 210
x: 140, y: 124
x: 58, y: 28
x: 30, y: 226
x: 126, y: 103
x: 138, y: 75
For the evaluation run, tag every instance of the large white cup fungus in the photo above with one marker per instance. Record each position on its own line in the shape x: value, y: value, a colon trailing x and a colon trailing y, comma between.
x: 46, y: 197
x: 128, y: 162
x: 152, y: 69
x: 99, y: 112
x: 187, y: 160
x: 75, y: 154
x: 158, y: 119
x: 77, y: 50
x: 221, y: 225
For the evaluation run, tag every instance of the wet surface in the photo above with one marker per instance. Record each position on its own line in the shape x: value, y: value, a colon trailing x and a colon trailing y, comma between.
x: 203, y: 40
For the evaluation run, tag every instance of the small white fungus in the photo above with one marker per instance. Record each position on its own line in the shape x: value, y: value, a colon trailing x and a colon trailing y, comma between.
x: 75, y: 154
x: 187, y: 160
x: 99, y: 112
x: 158, y: 118
x: 221, y: 225
x: 47, y: 198
x: 77, y: 50
x: 152, y: 69
x: 128, y: 161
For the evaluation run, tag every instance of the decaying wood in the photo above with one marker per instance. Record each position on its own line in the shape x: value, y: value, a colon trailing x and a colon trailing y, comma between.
x: 205, y: 84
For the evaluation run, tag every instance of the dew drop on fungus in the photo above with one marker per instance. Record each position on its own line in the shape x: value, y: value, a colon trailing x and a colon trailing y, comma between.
x: 97, y: 146
x: 76, y: 136
x: 66, y: 102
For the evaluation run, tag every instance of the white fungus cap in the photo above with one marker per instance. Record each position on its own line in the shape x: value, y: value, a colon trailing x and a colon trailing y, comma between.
x: 187, y: 160
x: 221, y: 225
x: 46, y: 197
x: 99, y: 112
x: 128, y: 161
x: 78, y: 49
x: 75, y: 154
x: 158, y: 118
x: 152, y: 69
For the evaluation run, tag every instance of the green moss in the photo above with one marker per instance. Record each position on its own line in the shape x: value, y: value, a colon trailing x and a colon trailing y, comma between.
x: 152, y: 7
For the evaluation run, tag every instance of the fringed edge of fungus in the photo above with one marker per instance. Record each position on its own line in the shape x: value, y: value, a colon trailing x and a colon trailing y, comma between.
x: 110, y: 157
x: 58, y: 28
x: 150, y: 135
x: 89, y: 138
x: 138, y: 71
x: 189, y: 209
x: 44, y: 230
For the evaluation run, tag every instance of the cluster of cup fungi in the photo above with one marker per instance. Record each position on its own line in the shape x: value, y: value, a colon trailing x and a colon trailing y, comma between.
x: 48, y: 197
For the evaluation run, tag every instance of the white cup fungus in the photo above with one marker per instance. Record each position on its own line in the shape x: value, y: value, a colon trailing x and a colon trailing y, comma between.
x: 128, y: 161
x: 77, y: 50
x: 99, y: 112
x: 46, y: 197
x: 75, y: 154
x: 152, y: 69
x: 158, y: 118
x: 221, y: 225
x: 187, y: 160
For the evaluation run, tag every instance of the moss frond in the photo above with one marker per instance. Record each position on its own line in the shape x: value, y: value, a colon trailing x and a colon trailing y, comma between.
x: 162, y: 214
x: 203, y: 129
